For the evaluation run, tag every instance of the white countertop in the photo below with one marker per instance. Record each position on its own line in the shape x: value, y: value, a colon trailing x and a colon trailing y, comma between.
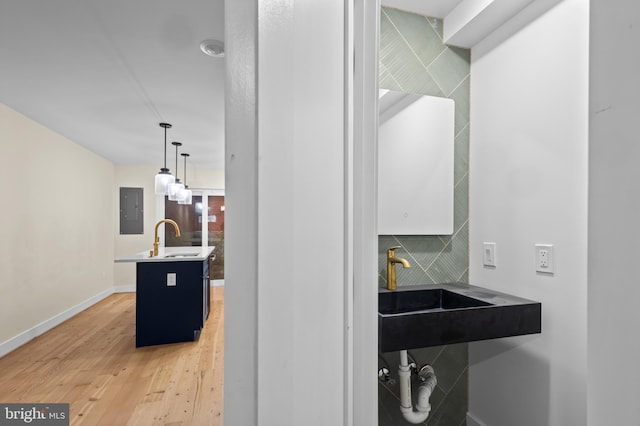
x: 171, y: 254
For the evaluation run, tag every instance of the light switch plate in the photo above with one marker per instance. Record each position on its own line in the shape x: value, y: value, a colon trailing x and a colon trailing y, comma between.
x: 489, y: 254
x: 171, y: 279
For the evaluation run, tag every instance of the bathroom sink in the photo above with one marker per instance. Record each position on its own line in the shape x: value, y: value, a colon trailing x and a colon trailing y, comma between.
x: 434, y: 315
x: 182, y: 255
x: 439, y: 299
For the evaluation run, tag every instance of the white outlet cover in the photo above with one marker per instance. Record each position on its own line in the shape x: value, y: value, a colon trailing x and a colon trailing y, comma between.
x: 544, y: 258
x: 171, y: 279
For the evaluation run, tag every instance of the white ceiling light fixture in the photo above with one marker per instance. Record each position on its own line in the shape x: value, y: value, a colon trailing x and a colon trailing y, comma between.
x: 177, y: 186
x: 185, y: 196
x: 164, y: 178
x: 214, y: 48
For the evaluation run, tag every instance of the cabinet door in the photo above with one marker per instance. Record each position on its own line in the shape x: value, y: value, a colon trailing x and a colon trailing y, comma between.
x: 168, y: 313
x: 205, y: 291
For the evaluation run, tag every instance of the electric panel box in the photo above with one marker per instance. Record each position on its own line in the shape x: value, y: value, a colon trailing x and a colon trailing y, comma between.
x: 131, y: 211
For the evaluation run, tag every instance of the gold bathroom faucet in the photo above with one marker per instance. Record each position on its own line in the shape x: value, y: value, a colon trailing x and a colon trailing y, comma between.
x: 391, y: 267
x: 156, y: 239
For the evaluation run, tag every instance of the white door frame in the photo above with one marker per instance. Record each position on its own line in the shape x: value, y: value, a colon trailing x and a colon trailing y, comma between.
x: 363, y: 48
x: 204, y: 192
x: 357, y: 379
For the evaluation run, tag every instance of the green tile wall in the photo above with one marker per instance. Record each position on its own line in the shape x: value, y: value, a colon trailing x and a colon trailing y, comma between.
x: 414, y: 59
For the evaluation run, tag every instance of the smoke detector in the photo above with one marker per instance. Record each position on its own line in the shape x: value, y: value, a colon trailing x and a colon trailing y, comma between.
x: 213, y: 48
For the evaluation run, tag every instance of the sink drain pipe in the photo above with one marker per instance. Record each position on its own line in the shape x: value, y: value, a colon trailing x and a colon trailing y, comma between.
x: 429, y: 381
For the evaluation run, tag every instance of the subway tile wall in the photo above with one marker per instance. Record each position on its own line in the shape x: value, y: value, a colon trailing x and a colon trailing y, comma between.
x: 413, y: 58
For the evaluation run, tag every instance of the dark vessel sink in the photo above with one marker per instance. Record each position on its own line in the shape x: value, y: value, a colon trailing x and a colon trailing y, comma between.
x: 434, y: 315
x: 395, y: 302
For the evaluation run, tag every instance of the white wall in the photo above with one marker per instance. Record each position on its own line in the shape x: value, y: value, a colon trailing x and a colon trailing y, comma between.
x: 136, y: 177
x: 300, y: 213
x: 241, y: 222
x: 528, y: 177
x: 139, y: 176
x: 56, y: 224
x: 614, y: 208
x: 284, y: 260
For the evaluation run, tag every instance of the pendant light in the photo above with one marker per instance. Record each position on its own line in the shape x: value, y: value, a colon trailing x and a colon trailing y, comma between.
x: 164, y: 177
x: 177, y: 186
x: 185, y: 195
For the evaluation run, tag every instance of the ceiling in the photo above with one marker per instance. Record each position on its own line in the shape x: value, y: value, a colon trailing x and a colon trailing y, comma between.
x: 434, y: 8
x: 105, y: 73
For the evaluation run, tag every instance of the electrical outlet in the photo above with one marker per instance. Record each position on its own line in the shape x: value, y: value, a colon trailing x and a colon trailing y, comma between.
x: 544, y: 258
x: 489, y: 254
x: 171, y: 279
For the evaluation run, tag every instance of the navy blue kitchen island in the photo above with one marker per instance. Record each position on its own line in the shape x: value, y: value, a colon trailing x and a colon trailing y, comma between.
x: 172, y: 294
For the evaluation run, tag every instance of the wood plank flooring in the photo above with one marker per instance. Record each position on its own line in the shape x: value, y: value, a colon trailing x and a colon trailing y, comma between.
x: 91, y: 362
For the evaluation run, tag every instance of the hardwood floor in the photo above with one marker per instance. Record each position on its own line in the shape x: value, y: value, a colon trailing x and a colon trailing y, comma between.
x: 91, y: 362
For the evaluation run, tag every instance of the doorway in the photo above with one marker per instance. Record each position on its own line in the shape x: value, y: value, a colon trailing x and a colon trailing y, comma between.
x: 201, y: 224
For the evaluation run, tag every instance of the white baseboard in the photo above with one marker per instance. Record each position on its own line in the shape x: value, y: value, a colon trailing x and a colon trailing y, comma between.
x: 217, y: 283
x: 35, y: 331
x: 124, y: 288
x: 472, y: 421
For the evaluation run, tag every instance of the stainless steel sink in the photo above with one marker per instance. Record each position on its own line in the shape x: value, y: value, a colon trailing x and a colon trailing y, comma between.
x: 434, y: 315
x: 182, y: 255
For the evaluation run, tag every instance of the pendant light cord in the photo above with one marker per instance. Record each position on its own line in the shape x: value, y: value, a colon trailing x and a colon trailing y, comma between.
x: 185, y: 155
x: 176, y: 144
x: 165, y: 147
x: 165, y: 126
